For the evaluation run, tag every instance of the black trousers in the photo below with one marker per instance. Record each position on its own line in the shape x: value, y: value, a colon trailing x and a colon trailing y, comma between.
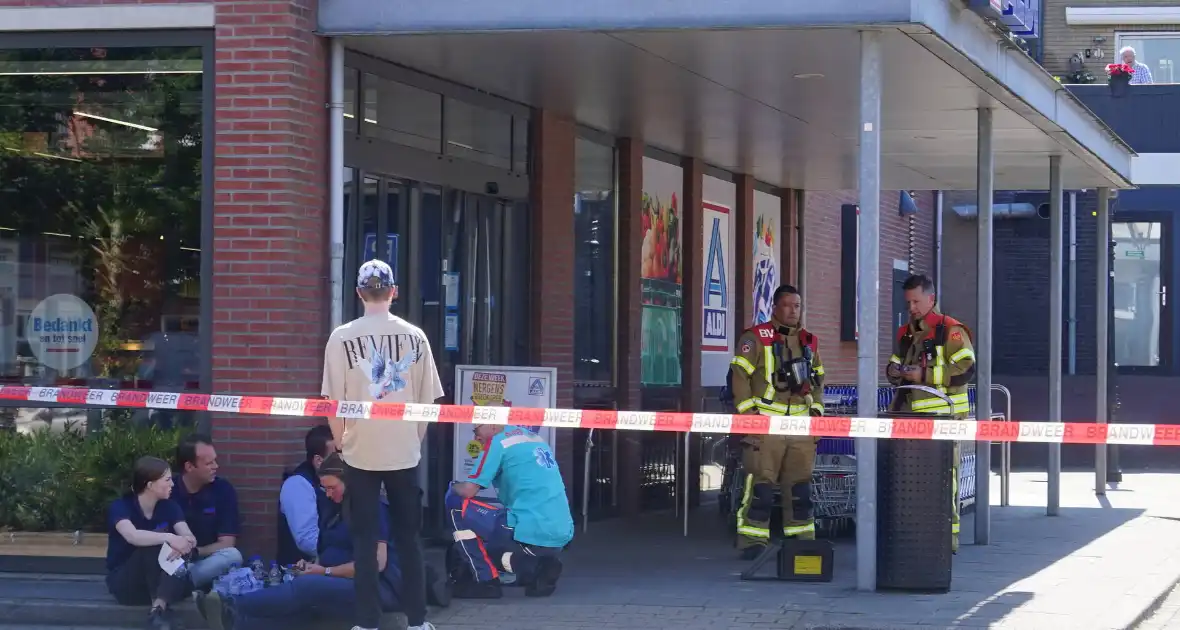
x: 405, y: 522
x: 140, y: 580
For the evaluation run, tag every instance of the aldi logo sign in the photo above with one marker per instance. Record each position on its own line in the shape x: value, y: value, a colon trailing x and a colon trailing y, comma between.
x: 716, y: 329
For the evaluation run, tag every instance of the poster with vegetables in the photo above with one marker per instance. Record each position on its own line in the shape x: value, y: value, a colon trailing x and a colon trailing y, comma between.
x: 661, y: 273
x: 766, y: 254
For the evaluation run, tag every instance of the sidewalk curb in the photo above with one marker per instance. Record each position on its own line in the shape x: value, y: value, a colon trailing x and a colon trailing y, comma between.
x: 1155, y: 605
x: 52, y: 612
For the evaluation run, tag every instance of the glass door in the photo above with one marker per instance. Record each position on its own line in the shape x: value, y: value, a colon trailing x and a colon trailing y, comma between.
x: 382, y: 209
x: 1141, y: 271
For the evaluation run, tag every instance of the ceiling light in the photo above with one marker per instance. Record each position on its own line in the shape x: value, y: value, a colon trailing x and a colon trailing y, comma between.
x: 810, y: 75
x: 116, y: 122
x: 56, y: 157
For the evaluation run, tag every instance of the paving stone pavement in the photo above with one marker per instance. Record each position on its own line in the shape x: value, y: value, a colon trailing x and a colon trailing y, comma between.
x: 1167, y: 616
x: 1100, y: 565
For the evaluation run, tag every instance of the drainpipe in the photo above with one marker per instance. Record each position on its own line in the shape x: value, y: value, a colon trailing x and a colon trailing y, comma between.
x: 1073, y: 283
x: 336, y: 181
x: 938, y: 243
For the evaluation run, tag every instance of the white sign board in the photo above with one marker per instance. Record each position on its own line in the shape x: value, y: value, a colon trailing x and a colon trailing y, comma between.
x: 716, y: 329
x: 62, y: 332
x: 498, y: 386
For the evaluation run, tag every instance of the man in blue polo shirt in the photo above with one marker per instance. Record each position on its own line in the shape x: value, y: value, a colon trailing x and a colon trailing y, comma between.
x: 210, y: 506
x: 526, y: 533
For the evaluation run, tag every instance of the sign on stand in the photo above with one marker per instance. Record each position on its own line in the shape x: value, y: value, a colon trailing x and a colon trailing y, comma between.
x: 497, y: 386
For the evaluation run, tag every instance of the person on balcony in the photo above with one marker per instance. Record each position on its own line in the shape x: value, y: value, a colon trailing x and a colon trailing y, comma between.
x: 1140, y: 73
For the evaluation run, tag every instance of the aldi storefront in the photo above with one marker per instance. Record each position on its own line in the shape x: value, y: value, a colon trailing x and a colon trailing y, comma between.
x: 188, y: 186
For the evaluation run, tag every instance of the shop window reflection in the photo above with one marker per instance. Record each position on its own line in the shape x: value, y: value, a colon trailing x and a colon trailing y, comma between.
x: 594, y: 250
x: 100, y: 227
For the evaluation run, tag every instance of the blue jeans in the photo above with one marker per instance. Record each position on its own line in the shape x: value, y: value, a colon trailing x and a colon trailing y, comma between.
x: 204, y: 571
x: 485, y: 542
x: 306, y: 596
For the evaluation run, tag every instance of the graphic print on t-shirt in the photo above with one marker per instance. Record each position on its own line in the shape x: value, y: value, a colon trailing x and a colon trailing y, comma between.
x: 387, y: 364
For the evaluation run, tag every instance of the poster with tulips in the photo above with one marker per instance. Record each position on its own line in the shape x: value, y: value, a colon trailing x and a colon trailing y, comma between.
x: 661, y: 273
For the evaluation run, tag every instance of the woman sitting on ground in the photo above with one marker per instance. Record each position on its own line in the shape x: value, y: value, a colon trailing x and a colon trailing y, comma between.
x: 140, y: 524
x: 324, y: 589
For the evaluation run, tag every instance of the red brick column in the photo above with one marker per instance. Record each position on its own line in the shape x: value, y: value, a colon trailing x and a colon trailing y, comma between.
x: 630, y: 243
x: 553, y: 264
x: 790, y: 249
x: 743, y: 254
x: 270, y: 256
x: 691, y: 299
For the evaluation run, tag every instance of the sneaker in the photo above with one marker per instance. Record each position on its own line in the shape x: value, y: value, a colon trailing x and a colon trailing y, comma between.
x: 160, y: 619
x: 426, y: 625
x: 548, y: 570
x: 215, y: 612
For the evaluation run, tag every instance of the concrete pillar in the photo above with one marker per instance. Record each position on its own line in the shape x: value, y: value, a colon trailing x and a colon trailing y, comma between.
x: 868, y: 293
x: 985, y: 168
x: 1056, y: 300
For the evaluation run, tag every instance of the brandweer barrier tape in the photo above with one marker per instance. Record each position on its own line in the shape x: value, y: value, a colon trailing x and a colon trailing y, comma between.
x: 886, y: 428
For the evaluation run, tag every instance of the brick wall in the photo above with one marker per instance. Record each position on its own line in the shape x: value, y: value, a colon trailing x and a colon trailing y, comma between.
x: 270, y: 257
x: 553, y: 270
x: 821, y: 217
x: 1020, y: 303
x: 1063, y: 40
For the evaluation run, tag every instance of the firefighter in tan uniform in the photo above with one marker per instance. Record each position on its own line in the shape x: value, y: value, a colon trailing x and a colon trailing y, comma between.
x: 777, y: 372
x: 933, y: 350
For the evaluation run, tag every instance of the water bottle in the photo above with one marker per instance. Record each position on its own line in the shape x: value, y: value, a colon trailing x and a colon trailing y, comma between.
x: 257, y: 568
x: 275, y: 577
x: 288, y: 574
x: 233, y: 580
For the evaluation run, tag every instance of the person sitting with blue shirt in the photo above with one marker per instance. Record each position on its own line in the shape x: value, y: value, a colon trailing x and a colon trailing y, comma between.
x: 140, y: 524
x: 301, y: 500
x: 210, y: 506
x: 522, y: 536
x: 322, y: 589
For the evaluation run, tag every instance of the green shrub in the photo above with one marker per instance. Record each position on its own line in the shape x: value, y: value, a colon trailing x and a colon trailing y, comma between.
x: 55, y: 481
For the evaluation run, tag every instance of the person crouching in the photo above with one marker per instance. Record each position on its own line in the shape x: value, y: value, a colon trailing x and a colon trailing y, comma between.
x: 525, y: 533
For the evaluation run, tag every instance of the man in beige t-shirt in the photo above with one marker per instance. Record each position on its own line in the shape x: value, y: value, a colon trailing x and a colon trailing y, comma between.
x: 380, y: 357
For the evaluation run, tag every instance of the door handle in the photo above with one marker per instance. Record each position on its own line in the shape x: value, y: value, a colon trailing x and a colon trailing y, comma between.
x: 1163, y: 295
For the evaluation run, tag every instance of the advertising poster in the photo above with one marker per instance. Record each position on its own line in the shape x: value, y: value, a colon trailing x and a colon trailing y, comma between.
x: 717, y: 296
x: 495, y: 386
x: 661, y: 273
x: 767, y: 274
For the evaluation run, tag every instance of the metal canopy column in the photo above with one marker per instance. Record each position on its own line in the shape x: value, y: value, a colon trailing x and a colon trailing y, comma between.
x: 983, y: 328
x: 1056, y: 272
x: 868, y: 297
x: 1102, y: 340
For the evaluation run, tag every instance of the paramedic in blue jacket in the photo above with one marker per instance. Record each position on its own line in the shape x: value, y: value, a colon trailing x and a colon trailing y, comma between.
x: 525, y: 532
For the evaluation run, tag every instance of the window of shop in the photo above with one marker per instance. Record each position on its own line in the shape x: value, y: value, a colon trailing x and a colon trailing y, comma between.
x: 439, y: 118
x: 1160, y: 52
x: 1142, y: 323
x: 594, y: 250
x: 104, y: 265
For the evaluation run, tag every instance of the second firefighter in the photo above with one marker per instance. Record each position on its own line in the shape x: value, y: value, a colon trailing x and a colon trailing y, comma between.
x: 777, y: 372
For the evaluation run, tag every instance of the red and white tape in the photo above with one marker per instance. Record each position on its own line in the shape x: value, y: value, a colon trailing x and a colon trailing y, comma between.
x: 887, y: 428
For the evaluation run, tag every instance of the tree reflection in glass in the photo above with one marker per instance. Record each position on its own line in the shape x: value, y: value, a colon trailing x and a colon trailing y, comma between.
x: 100, y: 198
